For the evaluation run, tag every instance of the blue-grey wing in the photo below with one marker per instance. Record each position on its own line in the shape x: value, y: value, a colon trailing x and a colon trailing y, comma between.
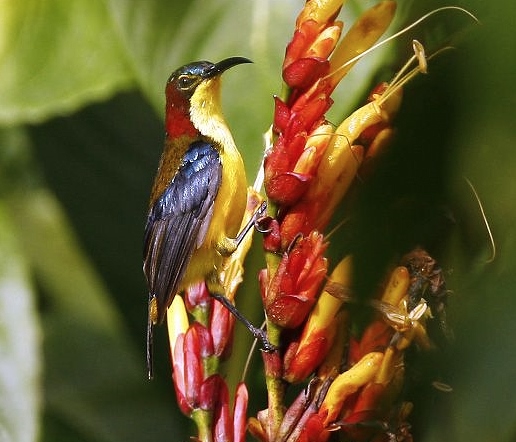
x: 178, y: 221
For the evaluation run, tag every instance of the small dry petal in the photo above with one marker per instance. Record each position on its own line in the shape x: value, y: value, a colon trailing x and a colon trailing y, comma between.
x: 257, y: 430
x: 397, y: 287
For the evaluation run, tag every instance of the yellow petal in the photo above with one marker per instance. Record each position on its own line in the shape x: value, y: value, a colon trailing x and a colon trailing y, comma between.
x: 319, y: 10
x: 363, y: 34
x: 348, y: 383
x: 177, y: 321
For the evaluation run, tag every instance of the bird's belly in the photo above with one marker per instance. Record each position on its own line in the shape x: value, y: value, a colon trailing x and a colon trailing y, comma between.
x: 231, y: 200
x: 228, y: 211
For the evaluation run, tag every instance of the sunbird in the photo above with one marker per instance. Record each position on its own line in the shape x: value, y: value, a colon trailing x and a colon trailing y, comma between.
x: 199, y: 194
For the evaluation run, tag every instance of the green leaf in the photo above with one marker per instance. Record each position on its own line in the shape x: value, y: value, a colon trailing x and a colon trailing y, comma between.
x: 94, y: 379
x: 95, y: 383
x: 55, y: 55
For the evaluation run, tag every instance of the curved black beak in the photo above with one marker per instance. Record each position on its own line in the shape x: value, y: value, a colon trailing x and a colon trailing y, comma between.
x: 224, y: 65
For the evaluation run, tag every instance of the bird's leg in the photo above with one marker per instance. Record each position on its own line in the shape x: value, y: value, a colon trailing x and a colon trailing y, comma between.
x: 257, y: 332
x: 216, y: 289
x: 229, y: 245
x: 251, y: 223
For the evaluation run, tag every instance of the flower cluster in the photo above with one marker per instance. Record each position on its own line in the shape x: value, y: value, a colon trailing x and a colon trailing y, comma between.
x: 311, y: 165
x: 353, y: 384
x: 200, y: 331
x: 196, y: 349
x: 308, y: 170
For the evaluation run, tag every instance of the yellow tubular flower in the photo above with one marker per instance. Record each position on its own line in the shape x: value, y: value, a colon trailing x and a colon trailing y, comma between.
x: 397, y: 287
x: 348, y: 383
x: 328, y: 303
x: 177, y: 322
x: 319, y: 10
x: 364, y: 33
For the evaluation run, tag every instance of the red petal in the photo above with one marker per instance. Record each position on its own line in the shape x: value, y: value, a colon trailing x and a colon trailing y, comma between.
x: 223, y: 430
x: 305, y: 360
x: 193, y: 368
x: 303, y: 72
x: 221, y: 329
x: 287, y: 188
x: 205, y: 341
x: 289, y: 311
x: 281, y: 115
x: 240, y: 413
x: 196, y: 295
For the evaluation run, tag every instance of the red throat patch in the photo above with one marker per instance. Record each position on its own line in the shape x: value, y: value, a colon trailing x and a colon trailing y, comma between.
x: 177, y: 115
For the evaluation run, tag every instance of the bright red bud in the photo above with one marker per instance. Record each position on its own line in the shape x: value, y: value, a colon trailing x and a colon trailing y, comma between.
x: 222, y: 430
x: 301, y: 362
x: 178, y: 374
x: 303, y: 72
x: 290, y: 295
x: 221, y: 329
x: 272, y: 239
x: 240, y: 413
x: 204, y: 339
x: 281, y: 115
x: 209, y: 392
x: 193, y: 368
x: 305, y: 34
x: 197, y: 295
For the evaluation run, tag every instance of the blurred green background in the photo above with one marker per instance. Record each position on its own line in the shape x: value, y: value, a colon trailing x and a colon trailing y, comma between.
x: 81, y: 98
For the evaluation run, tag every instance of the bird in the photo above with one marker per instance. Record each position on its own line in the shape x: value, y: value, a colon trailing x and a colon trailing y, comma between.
x: 199, y: 194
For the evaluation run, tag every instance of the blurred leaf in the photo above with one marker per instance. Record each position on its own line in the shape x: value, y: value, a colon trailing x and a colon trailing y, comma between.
x: 20, y: 360
x: 58, y: 56
x: 55, y: 55
x: 94, y: 384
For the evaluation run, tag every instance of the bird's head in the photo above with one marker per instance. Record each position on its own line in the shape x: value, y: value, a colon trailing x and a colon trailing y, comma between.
x: 193, y: 96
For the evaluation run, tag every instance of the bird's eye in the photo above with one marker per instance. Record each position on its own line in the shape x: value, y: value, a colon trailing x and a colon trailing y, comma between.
x: 185, y: 82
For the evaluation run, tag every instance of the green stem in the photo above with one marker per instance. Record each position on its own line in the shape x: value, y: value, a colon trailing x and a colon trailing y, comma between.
x: 203, y: 419
x: 276, y: 386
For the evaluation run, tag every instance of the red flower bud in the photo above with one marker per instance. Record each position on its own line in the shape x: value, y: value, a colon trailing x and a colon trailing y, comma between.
x: 290, y: 295
x: 281, y: 115
x: 240, y: 413
x: 272, y: 239
x: 302, y: 73
x: 197, y: 295
x: 221, y: 329
x: 193, y: 368
x: 178, y: 375
x: 222, y: 429
x: 210, y: 392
